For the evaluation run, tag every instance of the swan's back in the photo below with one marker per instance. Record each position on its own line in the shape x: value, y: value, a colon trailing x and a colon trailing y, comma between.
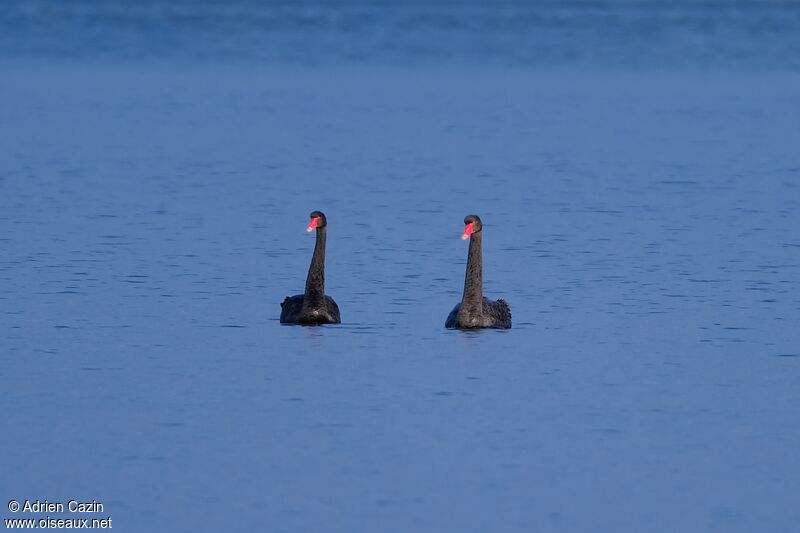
x: 292, y: 312
x: 495, y: 314
x: 291, y: 308
x: 333, y: 310
x: 451, y: 318
x: 498, y: 312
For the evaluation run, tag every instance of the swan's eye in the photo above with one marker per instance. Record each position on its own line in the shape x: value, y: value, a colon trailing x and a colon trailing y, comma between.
x: 313, y: 224
x: 468, y: 230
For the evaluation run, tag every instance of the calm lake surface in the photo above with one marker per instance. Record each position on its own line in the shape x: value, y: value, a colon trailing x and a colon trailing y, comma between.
x: 640, y: 217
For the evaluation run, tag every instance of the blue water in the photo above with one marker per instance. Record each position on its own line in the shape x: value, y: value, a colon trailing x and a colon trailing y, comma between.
x: 641, y: 217
x: 610, y: 33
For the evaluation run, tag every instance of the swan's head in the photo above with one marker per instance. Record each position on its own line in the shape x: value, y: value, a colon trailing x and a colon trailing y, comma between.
x: 318, y: 220
x: 472, y: 224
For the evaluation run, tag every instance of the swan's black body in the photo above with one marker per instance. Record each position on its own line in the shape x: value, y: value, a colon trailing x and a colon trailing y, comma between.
x: 292, y: 311
x: 475, y: 311
x: 313, y: 307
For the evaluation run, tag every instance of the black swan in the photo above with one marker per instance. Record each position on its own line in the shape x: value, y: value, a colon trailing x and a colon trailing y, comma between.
x: 313, y: 307
x: 475, y: 311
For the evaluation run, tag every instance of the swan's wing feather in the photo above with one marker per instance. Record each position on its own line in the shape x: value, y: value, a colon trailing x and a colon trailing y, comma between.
x: 333, y: 310
x: 499, y: 312
x: 291, y: 307
x: 451, y: 318
x: 506, y: 309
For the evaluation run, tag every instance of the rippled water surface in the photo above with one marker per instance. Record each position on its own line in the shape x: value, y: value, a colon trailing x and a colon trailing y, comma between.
x: 644, y: 34
x: 643, y: 227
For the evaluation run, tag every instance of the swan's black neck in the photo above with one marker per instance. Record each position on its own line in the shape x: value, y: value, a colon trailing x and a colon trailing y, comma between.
x: 315, y: 282
x: 473, y: 283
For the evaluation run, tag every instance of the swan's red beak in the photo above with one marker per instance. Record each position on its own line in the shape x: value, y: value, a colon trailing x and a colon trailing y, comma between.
x: 313, y: 224
x: 468, y: 229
